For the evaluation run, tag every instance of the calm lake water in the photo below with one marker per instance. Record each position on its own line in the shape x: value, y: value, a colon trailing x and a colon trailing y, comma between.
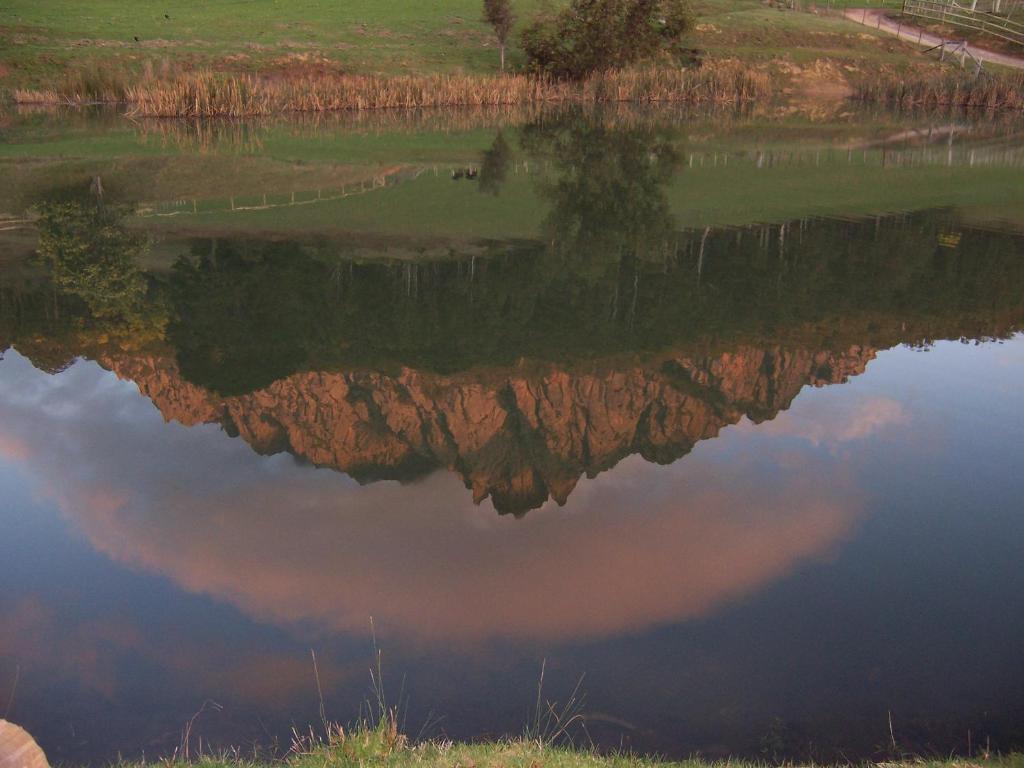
x: 718, y: 420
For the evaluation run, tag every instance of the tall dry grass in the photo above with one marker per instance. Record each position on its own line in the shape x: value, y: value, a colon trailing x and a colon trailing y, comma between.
x: 207, y: 94
x: 988, y: 91
x: 99, y: 82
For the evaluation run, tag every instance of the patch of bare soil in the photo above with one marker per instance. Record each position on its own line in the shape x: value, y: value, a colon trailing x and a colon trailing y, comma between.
x: 302, y: 65
x: 822, y: 80
x: 819, y: 90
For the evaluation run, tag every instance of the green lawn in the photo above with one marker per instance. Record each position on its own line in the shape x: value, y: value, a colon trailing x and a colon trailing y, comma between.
x: 39, y: 40
x: 753, y: 30
x: 387, y: 36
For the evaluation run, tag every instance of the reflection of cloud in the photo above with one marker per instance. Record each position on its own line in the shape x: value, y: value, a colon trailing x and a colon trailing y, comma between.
x: 32, y: 633
x: 40, y: 636
x: 638, y: 546
x: 12, y: 449
x: 837, y: 420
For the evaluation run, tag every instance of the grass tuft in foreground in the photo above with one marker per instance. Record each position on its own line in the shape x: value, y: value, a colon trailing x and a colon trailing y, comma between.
x: 382, y: 745
x: 208, y: 94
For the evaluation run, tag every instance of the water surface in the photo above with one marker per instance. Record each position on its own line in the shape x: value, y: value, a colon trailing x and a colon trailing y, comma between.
x: 720, y: 415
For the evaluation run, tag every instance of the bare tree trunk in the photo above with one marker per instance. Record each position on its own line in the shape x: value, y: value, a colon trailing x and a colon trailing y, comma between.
x: 502, y: 57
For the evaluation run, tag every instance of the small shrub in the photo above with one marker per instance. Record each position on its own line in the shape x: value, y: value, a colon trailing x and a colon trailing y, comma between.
x: 592, y: 36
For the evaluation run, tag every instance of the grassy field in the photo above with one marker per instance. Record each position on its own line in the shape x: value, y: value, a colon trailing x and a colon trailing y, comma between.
x: 386, y: 36
x: 39, y: 41
x: 756, y: 31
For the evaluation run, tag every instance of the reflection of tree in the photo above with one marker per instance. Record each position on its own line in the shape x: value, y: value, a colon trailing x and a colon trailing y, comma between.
x: 246, y: 315
x: 494, y: 165
x: 608, y: 192
x: 92, y: 256
x: 611, y: 276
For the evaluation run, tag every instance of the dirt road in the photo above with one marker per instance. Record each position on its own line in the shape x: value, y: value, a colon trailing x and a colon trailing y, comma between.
x: 877, y: 19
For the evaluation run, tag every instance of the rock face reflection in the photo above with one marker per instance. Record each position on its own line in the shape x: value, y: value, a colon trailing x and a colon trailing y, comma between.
x: 517, y: 372
x: 518, y: 438
x: 522, y: 366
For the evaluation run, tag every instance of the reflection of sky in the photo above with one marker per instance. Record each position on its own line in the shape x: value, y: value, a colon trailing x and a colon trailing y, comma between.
x: 880, y: 506
x: 288, y: 543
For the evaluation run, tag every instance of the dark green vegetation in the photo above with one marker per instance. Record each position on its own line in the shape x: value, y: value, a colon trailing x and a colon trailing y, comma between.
x: 243, y: 314
x: 90, y: 254
x: 592, y: 35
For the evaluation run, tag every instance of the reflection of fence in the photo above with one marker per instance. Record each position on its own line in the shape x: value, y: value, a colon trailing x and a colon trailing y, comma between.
x: 11, y: 223
x: 947, y: 153
x: 272, y: 200
x: 990, y: 22
x: 263, y: 202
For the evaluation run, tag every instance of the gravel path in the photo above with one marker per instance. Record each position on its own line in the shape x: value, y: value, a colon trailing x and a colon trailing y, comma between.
x: 877, y: 19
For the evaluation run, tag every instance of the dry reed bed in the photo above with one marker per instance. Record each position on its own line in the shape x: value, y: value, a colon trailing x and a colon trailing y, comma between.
x: 992, y: 92
x: 206, y: 94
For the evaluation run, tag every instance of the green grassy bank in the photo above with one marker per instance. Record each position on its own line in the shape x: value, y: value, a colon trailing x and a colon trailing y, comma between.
x: 40, y: 42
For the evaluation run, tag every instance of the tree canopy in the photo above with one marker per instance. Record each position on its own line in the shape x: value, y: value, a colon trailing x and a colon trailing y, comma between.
x: 593, y: 35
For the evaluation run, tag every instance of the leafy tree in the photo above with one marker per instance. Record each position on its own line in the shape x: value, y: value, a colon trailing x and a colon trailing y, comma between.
x: 498, y: 13
x: 91, y: 255
x: 593, y: 35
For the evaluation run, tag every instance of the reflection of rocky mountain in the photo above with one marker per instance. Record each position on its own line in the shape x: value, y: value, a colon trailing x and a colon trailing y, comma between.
x: 516, y: 437
x: 521, y: 366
